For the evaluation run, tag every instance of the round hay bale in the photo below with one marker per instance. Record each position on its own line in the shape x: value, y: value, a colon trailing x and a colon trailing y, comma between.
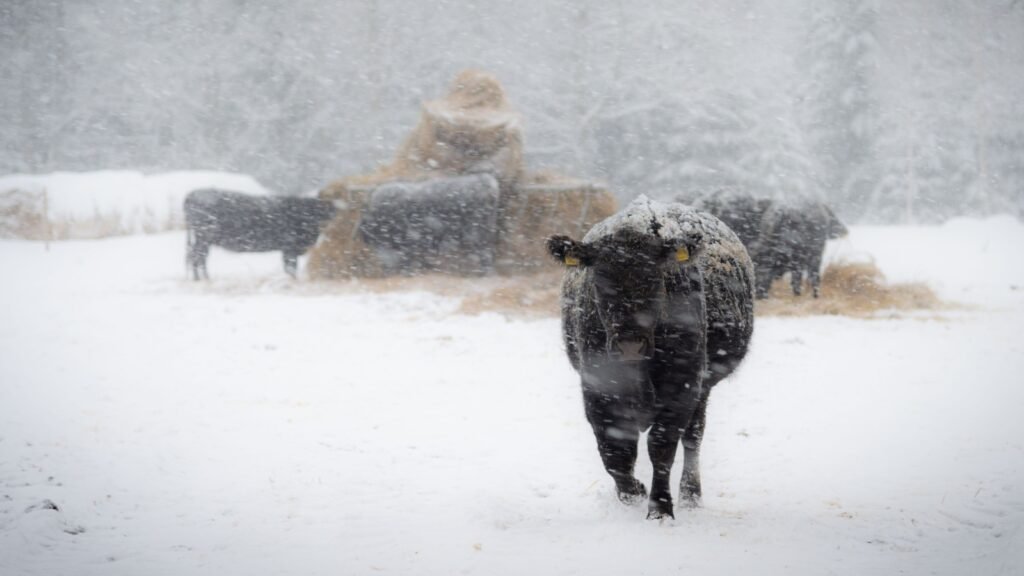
x: 472, y: 129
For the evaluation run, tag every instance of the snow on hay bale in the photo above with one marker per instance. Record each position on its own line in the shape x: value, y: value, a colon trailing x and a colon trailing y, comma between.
x: 472, y: 129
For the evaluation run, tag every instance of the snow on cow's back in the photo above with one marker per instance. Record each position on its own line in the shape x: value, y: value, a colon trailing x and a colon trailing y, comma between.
x: 639, y: 218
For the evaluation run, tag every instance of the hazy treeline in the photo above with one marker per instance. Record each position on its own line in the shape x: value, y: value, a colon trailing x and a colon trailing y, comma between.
x: 892, y: 111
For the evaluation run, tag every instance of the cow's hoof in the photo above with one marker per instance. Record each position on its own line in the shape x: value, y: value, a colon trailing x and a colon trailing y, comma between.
x: 689, y: 501
x: 634, y: 495
x: 660, y: 510
x: 631, y: 499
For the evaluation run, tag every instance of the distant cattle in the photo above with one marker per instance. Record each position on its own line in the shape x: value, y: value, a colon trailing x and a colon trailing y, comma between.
x: 792, y: 239
x: 742, y: 213
x: 657, y: 308
x: 243, y: 223
x: 446, y: 224
x: 781, y: 235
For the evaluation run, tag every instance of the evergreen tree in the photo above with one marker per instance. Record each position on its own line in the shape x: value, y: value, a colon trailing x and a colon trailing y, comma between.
x: 839, y: 110
x: 678, y: 149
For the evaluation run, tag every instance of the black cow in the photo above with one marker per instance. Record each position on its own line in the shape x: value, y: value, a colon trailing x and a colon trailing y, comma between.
x: 657, y: 308
x: 792, y: 239
x: 781, y: 235
x: 741, y: 212
x: 446, y: 224
x: 243, y: 223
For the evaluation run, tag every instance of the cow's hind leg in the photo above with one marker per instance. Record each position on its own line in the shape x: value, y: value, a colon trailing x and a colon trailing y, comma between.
x: 814, y: 278
x: 617, y: 437
x: 689, y: 483
x: 796, y: 280
x: 814, y: 272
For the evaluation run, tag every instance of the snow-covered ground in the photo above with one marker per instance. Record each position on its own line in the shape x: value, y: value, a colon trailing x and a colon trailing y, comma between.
x: 254, y: 425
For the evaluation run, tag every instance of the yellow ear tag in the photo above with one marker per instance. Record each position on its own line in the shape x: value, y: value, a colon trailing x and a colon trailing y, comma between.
x: 682, y: 254
x: 572, y: 261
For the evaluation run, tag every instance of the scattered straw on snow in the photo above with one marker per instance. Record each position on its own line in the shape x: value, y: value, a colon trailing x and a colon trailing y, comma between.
x: 857, y: 289
x: 853, y: 289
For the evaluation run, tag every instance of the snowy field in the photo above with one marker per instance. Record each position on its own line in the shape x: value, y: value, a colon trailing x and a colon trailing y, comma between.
x: 254, y: 425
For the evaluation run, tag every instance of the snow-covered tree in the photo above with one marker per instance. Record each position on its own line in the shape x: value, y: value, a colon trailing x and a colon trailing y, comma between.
x: 300, y: 92
x: 837, y: 99
x: 675, y: 148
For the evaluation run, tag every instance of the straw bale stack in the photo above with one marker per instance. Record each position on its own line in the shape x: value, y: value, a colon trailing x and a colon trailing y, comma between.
x: 471, y: 130
x: 535, y: 210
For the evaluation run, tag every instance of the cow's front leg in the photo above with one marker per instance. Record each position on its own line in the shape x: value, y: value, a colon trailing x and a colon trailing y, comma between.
x: 291, y: 264
x: 661, y: 446
x: 763, y: 281
x: 617, y: 438
x: 200, y: 251
x: 678, y: 402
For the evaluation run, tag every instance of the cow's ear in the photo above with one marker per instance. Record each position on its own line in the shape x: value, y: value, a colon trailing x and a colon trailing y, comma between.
x: 568, y: 251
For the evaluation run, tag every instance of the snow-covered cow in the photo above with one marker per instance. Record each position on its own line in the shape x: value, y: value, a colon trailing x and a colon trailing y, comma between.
x: 657, y: 308
x: 447, y: 224
x: 244, y: 223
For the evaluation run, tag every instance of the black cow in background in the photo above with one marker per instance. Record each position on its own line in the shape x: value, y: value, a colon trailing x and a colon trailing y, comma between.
x: 445, y: 224
x: 792, y: 239
x: 657, y: 308
x: 742, y: 213
x: 780, y: 235
x: 244, y: 223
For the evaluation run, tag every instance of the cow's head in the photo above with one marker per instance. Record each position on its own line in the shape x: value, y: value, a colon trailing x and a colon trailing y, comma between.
x: 629, y: 276
x: 835, y: 228
x: 326, y: 210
